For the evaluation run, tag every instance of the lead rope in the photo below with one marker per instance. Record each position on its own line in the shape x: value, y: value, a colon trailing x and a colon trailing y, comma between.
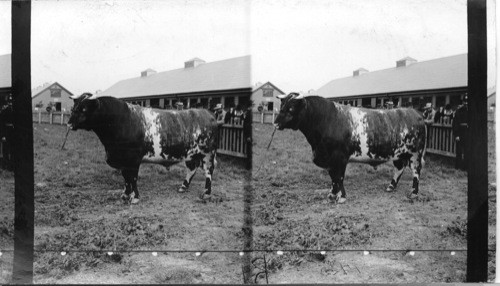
x: 267, y: 149
x: 65, y: 137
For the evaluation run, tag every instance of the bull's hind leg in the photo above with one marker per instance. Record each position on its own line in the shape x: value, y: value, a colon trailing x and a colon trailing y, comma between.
x: 416, y: 166
x: 208, y: 167
x: 192, y: 165
x: 130, y: 175
x: 399, y: 169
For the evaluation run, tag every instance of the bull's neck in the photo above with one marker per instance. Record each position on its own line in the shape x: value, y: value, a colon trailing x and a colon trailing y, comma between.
x: 107, y: 125
x: 312, y: 121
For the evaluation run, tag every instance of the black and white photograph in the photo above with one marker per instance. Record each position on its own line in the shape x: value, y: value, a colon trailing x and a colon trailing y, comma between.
x: 342, y: 159
x: 252, y: 141
x: 139, y: 139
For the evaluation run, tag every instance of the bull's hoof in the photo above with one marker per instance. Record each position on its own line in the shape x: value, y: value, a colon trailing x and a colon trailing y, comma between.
x: 412, y: 196
x: 125, y: 197
x: 336, y: 198
x: 390, y: 189
x: 332, y: 198
x: 134, y: 201
x: 205, y: 196
x: 182, y: 189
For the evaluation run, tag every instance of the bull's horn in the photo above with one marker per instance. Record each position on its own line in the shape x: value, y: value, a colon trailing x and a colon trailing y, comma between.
x: 281, y: 96
x: 76, y: 96
x: 300, y: 96
x: 93, y: 96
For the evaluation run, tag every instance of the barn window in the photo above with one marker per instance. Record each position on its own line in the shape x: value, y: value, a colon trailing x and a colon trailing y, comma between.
x: 440, y: 101
x: 455, y: 101
x: 55, y: 92
x: 366, y: 102
x: 268, y: 92
x: 204, y: 102
x: 193, y: 103
x: 154, y: 102
x: 229, y: 101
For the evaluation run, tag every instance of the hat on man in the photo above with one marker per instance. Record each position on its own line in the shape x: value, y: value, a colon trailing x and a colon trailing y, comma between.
x: 218, y: 106
x: 428, y: 105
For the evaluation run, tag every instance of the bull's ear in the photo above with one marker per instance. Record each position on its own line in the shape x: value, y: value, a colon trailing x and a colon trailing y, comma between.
x: 93, y: 104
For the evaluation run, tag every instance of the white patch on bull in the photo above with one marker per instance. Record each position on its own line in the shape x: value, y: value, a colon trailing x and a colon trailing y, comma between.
x: 359, y: 127
x: 152, y: 131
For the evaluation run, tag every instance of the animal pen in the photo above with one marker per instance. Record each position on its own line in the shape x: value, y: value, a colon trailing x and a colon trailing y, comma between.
x: 232, y: 140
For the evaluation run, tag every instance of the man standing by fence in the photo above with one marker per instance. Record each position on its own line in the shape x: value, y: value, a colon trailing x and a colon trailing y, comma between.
x: 460, y: 130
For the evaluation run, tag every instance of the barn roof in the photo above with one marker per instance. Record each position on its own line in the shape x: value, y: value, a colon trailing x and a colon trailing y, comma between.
x: 447, y: 72
x: 226, y: 74
x: 5, y: 71
x: 40, y: 89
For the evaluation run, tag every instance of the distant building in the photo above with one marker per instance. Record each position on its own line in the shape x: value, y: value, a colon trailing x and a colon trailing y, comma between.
x: 410, y: 83
x: 198, y: 84
x: 264, y: 97
x: 51, y: 94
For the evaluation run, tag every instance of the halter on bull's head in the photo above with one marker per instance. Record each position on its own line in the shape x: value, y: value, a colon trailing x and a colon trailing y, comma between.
x: 84, y: 106
x: 292, y: 106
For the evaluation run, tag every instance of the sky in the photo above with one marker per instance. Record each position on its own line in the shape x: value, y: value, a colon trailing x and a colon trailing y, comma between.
x: 297, y: 45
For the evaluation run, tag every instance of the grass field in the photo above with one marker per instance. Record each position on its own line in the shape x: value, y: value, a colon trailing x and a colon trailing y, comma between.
x: 78, y: 207
x: 291, y: 212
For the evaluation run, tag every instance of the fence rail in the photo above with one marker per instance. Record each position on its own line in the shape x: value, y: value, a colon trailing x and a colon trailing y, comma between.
x: 265, y: 117
x: 440, y: 139
x: 232, y: 139
x: 60, y: 118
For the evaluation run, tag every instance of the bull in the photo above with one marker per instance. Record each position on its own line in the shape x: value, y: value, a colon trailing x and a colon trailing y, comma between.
x: 133, y: 135
x: 339, y: 134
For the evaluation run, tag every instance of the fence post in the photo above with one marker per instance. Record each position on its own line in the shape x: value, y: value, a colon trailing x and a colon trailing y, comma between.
x: 273, y: 118
x: 50, y: 118
x: 62, y: 118
x: 39, y: 116
x: 262, y: 118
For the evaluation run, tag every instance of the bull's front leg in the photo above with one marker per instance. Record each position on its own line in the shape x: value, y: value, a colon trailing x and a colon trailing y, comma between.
x: 337, y: 193
x: 130, y: 175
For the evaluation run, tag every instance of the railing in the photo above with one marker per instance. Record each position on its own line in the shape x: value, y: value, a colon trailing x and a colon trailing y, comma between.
x: 265, y: 117
x: 60, y: 118
x: 440, y: 139
x: 232, y: 139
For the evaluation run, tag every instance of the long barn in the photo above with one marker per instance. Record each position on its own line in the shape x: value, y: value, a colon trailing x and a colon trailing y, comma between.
x: 197, y: 84
x: 409, y: 83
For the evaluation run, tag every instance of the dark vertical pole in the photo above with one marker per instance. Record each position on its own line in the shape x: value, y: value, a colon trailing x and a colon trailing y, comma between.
x: 248, y: 197
x: 23, y: 147
x: 477, y: 153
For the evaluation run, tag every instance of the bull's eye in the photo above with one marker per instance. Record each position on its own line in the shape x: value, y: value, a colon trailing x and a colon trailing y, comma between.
x: 291, y: 109
x: 84, y: 109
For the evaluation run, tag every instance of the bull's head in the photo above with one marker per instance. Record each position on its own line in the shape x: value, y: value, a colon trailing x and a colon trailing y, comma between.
x: 292, y: 106
x: 81, y: 113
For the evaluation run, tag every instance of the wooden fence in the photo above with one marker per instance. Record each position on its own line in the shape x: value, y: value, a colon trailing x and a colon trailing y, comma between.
x: 440, y: 139
x: 231, y: 140
x: 60, y: 118
x: 265, y: 117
